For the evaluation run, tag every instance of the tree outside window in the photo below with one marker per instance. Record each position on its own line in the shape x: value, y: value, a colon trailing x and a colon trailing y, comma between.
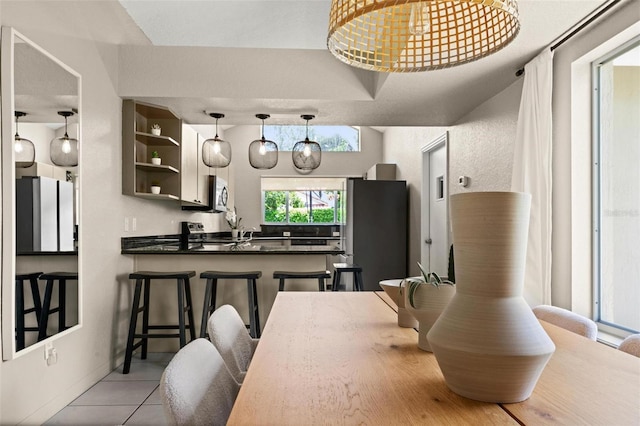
x: 309, y: 206
x: 330, y: 138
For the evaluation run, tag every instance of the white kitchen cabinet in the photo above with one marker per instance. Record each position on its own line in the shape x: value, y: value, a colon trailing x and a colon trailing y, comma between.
x: 195, y: 186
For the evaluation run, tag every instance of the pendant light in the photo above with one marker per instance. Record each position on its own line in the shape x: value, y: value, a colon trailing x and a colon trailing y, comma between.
x: 307, y: 154
x: 216, y: 152
x: 263, y: 154
x: 415, y: 35
x: 25, y: 151
x: 64, y: 150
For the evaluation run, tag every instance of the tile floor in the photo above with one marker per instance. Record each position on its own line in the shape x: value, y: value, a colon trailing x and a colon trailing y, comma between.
x: 120, y: 399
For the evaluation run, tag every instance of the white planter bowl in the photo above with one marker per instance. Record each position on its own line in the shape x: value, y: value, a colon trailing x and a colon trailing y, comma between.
x: 156, y: 161
x: 392, y: 288
x: 156, y: 132
x: 155, y: 189
x: 430, y: 301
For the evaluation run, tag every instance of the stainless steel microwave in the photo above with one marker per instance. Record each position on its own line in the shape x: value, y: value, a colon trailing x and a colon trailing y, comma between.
x: 220, y: 193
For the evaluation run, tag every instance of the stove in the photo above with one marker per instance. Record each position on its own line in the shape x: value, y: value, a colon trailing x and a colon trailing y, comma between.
x: 192, y: 235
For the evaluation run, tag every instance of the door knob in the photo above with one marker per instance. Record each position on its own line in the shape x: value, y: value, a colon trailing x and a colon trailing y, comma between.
x: 428, y: 241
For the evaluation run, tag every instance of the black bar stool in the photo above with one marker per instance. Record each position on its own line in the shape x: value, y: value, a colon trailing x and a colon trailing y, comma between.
x: 210, y: 297
x: 319, y: 275
x: 347, y: 267
x: 21, y: 312
x: 184, y: 293
x: 61, y: 309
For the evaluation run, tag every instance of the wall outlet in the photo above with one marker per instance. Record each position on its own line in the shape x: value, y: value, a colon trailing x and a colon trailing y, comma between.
x: 126, y: 224
x: 134, y: 224
x: 50, y: 353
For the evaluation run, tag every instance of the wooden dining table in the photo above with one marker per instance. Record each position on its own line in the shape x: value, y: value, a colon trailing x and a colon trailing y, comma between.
x: 340, y: 358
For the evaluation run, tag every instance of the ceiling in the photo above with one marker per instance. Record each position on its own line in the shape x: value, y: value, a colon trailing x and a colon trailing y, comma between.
x: 434, y: 98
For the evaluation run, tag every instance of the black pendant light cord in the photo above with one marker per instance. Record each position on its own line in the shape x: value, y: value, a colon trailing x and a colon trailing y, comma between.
x: 307, y: 117
x: 18, y: 114
x: 66, y: 134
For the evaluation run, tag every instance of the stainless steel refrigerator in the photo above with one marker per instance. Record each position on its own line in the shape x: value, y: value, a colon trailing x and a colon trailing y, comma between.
x: 44, y: 215
x: 376, y: 229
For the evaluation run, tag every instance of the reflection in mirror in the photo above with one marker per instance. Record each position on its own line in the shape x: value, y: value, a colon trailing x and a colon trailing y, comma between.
x: 40, y: 238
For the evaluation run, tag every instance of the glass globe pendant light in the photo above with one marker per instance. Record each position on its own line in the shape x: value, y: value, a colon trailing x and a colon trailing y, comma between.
x: 64, y: 150
x: 25, y: 151
x: 263, y: 154
x: 307, y: 154
x: 216, y: 152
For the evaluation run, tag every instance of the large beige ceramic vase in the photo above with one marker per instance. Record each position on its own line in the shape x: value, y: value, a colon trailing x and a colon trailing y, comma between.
x: 488, y: 343
x: 429, y: 302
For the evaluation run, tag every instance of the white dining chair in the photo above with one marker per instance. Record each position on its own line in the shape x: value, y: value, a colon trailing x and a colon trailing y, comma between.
x: 229, y: 335
x: 196, y: 388
x: 568, y: 320
x: 631, y: 345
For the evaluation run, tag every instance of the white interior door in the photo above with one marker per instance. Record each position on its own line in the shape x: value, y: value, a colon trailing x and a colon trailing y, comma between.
x: 435, y: 213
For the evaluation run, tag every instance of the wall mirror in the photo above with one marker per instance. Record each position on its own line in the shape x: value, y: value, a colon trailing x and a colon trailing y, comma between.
x: 40, y: 201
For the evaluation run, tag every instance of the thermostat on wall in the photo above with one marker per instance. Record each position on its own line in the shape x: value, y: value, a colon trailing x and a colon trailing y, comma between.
x: 463, y: 181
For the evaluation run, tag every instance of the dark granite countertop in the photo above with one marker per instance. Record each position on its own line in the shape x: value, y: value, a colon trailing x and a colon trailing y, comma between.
x: 48, y: 253
x: 223, y: 244
x: 252, y: 247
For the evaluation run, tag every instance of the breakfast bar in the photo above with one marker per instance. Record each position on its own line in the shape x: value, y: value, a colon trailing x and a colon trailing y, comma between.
x: 166, y: 253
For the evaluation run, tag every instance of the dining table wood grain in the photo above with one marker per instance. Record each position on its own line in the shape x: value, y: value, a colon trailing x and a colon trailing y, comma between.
x: 584, y: 383
x: 341, y: 359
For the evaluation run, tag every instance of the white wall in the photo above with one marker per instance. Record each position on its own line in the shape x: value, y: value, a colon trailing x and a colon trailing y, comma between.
x: 29, y: 390
x: 480, y: 146
x: 403, y: 146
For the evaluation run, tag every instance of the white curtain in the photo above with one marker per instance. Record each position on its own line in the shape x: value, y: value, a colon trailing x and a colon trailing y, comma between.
x: 532, y: 173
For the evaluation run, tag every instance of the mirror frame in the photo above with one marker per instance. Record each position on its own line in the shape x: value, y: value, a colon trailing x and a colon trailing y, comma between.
x: 8, y: 250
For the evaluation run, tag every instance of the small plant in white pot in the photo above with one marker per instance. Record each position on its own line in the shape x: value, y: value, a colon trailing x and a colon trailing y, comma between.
x: 155, y: 158
x: 156, y: 130
x: 425, y: 298
x: 155, y: 187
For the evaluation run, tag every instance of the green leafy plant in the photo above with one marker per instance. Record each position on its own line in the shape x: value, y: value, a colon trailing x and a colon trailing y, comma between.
x: 155, y: 154
x: 427, y: 278
x: 156, y: 126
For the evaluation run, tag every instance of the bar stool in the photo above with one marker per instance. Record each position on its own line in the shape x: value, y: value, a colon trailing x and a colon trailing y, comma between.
x: 210, y: 297
x: 61, y: 309
x: 21, y: 312
x: 347, y: 267
x: 319, y: 275
x: 184, y: 293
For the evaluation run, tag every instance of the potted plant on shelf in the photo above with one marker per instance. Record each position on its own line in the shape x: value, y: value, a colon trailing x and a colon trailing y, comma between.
x: 155, y: 158
x: 155, y: 187
x: 234, y: 222
x: 156, y: 130
x: 425, y: 298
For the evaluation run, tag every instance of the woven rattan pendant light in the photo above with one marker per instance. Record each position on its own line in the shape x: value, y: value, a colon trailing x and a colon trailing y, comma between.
x: 216, y: 152
x: 64, y: 150
x: 263, y: 153
x: 306, y: 154
x: 24, y: 150
x: 412, y: 35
